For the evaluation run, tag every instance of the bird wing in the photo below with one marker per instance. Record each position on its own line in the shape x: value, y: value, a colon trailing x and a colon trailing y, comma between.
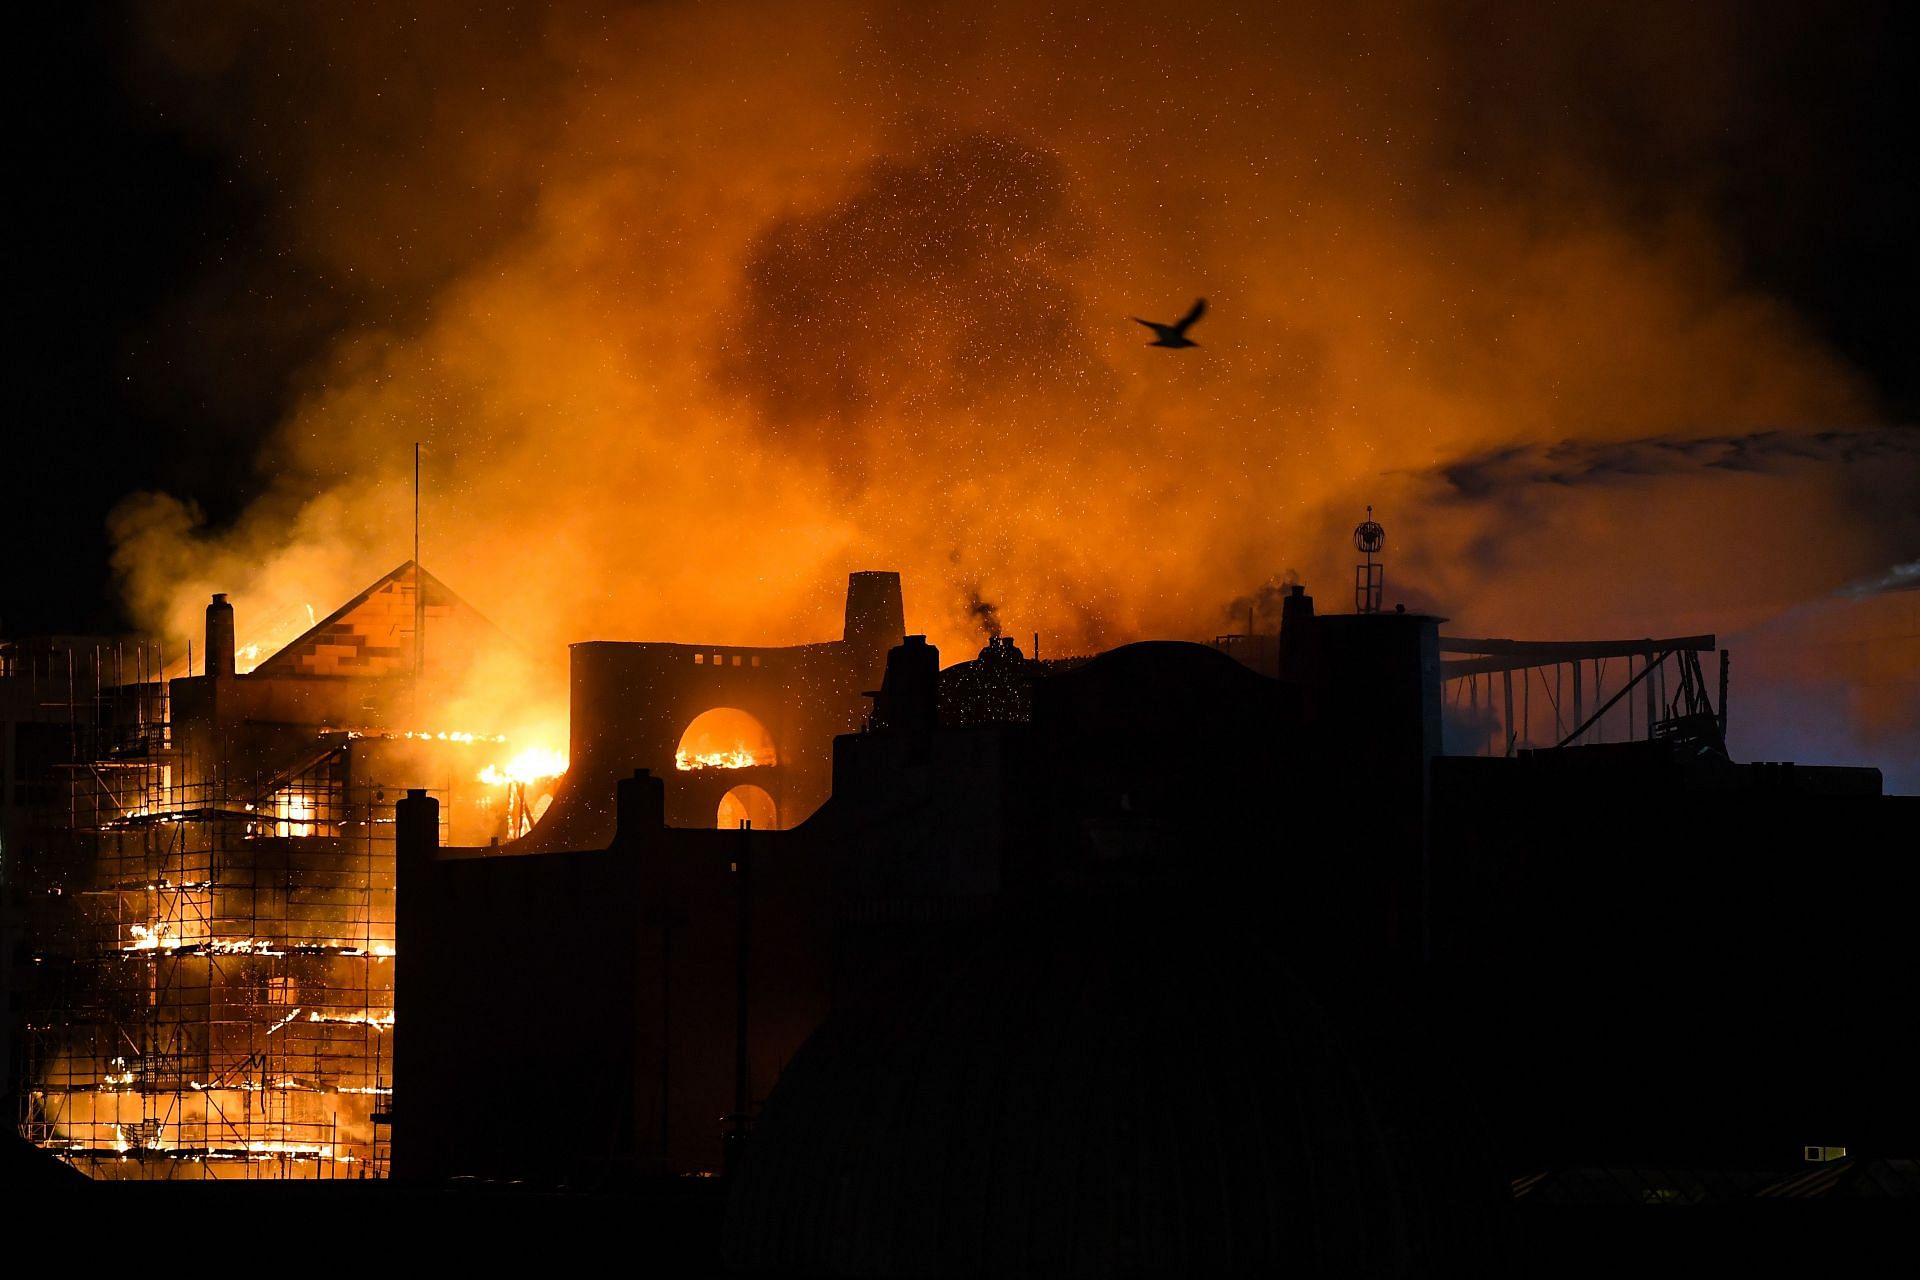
x: 1199, y: 309
x: 1150, y: 324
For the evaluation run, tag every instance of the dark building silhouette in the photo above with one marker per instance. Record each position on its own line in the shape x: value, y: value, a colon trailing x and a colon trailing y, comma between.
x: 985, y: 806
x: 1150, y: 961
x: 1656, y: 956
x: 1116, y: 1089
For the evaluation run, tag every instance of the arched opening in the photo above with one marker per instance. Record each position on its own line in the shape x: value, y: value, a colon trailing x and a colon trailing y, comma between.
x: 724, y: 738
x: 747, y: 803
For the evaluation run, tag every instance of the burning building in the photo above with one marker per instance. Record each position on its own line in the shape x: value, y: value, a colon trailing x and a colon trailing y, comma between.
x: 213, y: 894
x: 764, y: 856
x: 211, y: 901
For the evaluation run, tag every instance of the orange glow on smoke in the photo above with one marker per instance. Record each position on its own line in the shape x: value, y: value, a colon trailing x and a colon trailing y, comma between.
x: 686, y: 346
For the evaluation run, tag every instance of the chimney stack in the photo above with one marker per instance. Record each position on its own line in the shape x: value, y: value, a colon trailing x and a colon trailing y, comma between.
x: 418, y: 973
x: 1296, y: 635
x: 220, y: 637
x: 640, y: 806
x: 908, y: 700
x: 875, y: 620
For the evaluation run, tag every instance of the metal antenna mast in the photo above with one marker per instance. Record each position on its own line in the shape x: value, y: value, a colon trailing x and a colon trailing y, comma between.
x: 1368, y: 583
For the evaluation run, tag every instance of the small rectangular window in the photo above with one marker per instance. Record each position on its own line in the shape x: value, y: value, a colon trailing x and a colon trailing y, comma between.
x: 699, y: 659
x: 736, y: 659
x: 719, y: 659
x: 756, y: 659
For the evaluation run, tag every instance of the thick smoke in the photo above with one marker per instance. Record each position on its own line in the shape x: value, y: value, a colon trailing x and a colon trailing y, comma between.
x: 927, y: 293
x: 1260, y: 608
x: 1899, y: 577
x: 1720, y: 529
x: 698, y: 307
x: 1508, y: 471
x: 986, y: 613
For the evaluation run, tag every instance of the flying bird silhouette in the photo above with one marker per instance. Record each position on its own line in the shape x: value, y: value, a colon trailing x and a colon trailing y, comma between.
x: 1175, y: 334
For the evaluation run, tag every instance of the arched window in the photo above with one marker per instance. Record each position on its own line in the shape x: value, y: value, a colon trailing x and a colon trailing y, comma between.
x: 747, y: 803
x: 724, y: 738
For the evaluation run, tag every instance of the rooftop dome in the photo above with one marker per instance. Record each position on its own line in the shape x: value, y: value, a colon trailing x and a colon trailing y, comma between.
x: 1108, y: 1095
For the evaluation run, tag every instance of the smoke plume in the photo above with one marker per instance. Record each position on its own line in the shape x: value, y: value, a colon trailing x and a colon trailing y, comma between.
x: 928, y: 292
x: 986, y: 614
x: 698, y: 307
x: 1260, y: 609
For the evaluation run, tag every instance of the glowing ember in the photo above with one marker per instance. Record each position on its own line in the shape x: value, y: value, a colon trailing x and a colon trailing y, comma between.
x: 237, y: 947
x: 364, y: 1017
x: 319, y: 1151
x: 161, y: 937
x: 736, y: 758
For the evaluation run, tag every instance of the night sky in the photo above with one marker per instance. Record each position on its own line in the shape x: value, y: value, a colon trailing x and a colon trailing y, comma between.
x: 148, y: 248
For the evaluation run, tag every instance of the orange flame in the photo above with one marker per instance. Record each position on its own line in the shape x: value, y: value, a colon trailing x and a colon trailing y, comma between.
x: 733, y: 758
x: 531, y: 765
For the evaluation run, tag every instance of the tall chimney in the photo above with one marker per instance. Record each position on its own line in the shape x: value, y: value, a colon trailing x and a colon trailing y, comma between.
x: 418, y: 974
x: 1296, y: 635
x: 876, y: 622
x: 909, y: 697
x: 220, y: 637
x: 640, y: 806
x: 874, y: 613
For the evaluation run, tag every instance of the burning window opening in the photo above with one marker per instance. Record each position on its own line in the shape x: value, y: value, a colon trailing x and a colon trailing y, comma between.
x: 527, y: 780
x: 155, y: 937
x: 725, y: 738
x: 747, y: 803
x: 293, y: 815
x: 535, y: 764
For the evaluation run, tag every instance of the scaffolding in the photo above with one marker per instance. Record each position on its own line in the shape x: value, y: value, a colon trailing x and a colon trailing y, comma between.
x: 1577, y: 705
x: 213, y: 958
